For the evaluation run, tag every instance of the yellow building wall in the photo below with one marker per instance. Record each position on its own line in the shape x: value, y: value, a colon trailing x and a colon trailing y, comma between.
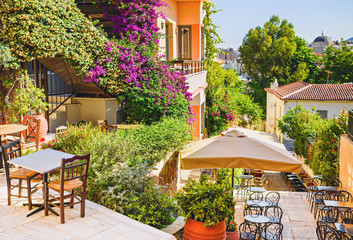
x: 346, y: 163
x: 274, y: 112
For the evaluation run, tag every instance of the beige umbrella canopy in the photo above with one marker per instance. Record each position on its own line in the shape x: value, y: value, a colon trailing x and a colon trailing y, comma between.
x: 238, y: 151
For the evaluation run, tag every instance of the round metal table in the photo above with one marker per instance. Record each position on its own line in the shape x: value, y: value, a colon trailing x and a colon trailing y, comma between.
x: 258, y: 203
x: 257, y: 189
x: 258, y: 219
x: 246, y: 176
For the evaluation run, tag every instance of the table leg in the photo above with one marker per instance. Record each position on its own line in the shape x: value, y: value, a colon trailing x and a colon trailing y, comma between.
x: 43, y: 206
x: 45, y: 182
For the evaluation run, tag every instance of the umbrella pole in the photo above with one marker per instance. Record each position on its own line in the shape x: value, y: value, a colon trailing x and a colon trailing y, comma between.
x: 232, y: 177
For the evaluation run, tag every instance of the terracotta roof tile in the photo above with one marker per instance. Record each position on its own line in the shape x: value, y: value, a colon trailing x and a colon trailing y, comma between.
x: 342, y: 92
x: 284, y: 90
x: 305, y: 91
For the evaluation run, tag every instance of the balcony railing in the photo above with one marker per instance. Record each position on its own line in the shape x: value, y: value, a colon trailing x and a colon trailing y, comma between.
x: 188, y: 66
x: 350, y: 124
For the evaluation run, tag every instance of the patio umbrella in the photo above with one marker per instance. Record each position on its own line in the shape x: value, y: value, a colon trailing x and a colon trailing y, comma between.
x: 233, y: 150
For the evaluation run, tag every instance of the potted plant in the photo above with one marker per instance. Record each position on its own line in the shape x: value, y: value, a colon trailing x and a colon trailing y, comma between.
x: 27, y: 101
x: 205, y: 205
x: 232, y: 229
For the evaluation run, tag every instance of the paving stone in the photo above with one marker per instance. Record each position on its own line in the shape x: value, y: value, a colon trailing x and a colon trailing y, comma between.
x: 83, y: 227
x: 15, y: 234
x: 108, y: 234
x: 41, y: 231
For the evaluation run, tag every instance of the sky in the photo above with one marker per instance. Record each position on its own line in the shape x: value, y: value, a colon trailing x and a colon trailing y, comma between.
x: 309, y: 18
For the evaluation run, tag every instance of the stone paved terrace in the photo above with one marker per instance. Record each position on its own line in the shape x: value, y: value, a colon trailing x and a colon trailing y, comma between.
x: 298, y: 222
x: 99, y: 223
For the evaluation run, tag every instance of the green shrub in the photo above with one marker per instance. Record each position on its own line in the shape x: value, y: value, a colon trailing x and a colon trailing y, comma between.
x: 130, y: 191
x: 121, y: 163
x: 206, y: 201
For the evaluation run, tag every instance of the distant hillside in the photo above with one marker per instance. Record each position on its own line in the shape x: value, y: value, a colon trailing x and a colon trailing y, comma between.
x: 350, y: 39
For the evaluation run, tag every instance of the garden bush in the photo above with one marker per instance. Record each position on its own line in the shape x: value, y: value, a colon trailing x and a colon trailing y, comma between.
x: 131, y: 191
x: 120, y: 165
x: 315, y: 139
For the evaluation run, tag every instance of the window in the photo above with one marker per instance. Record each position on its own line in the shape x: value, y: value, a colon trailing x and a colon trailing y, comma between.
x: 184, y: 42
x: 322, y: 113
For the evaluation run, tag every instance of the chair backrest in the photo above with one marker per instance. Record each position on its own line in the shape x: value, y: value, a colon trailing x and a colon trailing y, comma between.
x: 342, y: 196
x: 256, y: 196
x: 74, y: 168
x: 247, y: 230
x: 10, y: 151
x: 32, y: 132
x: 272, y: 198
x: 59, y: 131
x: 322, y: 195
x: 347, y: 216
x: 333, y: 182
x: 325, y: 232
x: 272, y: 231
x: 274, y: 212
x: 102, y: 123
x: 253, y: 210
x: 316, y: 182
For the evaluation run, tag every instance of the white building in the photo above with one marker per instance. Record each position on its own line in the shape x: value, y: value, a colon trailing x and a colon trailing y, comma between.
x: 327, y: 99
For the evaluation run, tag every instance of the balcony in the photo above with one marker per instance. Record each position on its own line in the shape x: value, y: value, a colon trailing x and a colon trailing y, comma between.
x: 195, y: 74
x: 189, y: 66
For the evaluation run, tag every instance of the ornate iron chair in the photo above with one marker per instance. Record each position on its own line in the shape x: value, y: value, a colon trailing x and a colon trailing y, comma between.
x: 272, y: 198
x: 275, y: 214
x: 272, y: 231
x: 248, y: 231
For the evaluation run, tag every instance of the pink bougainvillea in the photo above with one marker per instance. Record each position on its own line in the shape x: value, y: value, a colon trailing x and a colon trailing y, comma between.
x: 155, y: 88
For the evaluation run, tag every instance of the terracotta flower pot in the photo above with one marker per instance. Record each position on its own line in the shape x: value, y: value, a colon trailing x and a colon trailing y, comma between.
x: 233, y: 235
x: 43, y: 124
x: 195, y: 230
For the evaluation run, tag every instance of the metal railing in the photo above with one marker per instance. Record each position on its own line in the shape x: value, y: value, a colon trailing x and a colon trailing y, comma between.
x: 58, y: 92
x: 189, y: 66
x: 350, y: 124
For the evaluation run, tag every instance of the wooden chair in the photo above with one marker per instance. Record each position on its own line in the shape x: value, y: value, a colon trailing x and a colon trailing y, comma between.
x: 110, y: 128
x: 59, y: 131
x: 32, y: 134
x: 11, y: 151
x: 73, y: 182
x: 102, y: 123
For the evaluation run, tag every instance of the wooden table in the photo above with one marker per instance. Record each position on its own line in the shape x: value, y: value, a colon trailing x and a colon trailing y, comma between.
x: 6, y: 129
x: 43, y: 162
x: 338, y: 204
x: 11, y: 128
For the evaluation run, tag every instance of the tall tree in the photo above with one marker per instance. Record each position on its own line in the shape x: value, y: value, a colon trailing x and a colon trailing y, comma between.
x: 274, y: 52
x: 338, y: 64
x: 304, y: 64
